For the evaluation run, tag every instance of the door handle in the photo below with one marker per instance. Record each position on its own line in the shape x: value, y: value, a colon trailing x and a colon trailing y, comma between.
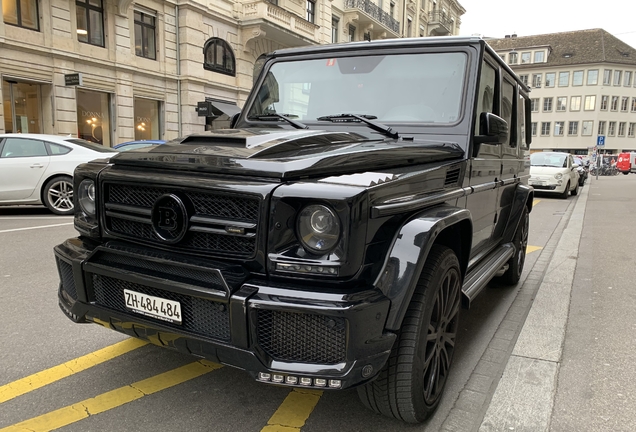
x: 37, y: 166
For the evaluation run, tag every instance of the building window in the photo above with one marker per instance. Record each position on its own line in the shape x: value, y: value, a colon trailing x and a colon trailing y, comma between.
x: 621, y: 128
x: 513, y: 58
x: 550, y: 77
x: 564, y: 79
x: 547, y: 104
x: 147, y: 125
x: 90, y: 21
x: 558, y: 128
x: 367, y: 36
x: 607, y: 77
x: 632, y: 129
x: 592, y: 77
x: 627, y: 79
x: 575, y: 103
x: 533, y: 129
x: 590, y: 103
x: 22, y: 13
x: 525, y: 57
x: 219, y: 57
x: 311, y: 11
x: 604, y: 102
x: 539, y: 56
x: 562, y: 103
x: 536, y: 80
x: 534, y: 104
x: 617, y: 77
x: 352, y: 33
x: 611, y: 128
x: 93, y: 116
x: 577, y: 78
x: 335, y: 24
x: 524, y: 79
x: 545, y: 128
x: 409, y: 26
x: 614, y: 104
x: 145, y: 35
x: 634, y: 104
x: 601, y: 128
x: 573, y: 128
x: 392, y: 9
x: 624, y: 103
x: 588, y: 125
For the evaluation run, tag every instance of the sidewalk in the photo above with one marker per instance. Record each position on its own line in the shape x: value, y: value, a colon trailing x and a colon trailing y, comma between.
x: 572, y: 366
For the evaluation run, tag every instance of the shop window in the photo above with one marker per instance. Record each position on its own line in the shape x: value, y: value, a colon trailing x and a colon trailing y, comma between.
x: 93, y: 117
x: 22, y: 13
x: 145, y: 35
x: 219, y: 57
x: 147, y: 123
x: 90, y: 21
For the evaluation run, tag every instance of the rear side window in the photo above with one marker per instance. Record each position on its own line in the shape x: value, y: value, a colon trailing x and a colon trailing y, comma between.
x: 20, y: 147
x: 56, y: 149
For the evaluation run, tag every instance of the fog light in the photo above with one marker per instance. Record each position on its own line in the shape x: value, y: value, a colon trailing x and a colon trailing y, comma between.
x: 320, y: 382
x: 291, y: 380
x: 335, y: 383
x: 264, y: 376
x: 305, y: 381
x: 277, y: 378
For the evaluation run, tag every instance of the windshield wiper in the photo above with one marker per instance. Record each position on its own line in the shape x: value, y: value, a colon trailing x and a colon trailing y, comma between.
x: 365, y: 118
x: 276, y: 116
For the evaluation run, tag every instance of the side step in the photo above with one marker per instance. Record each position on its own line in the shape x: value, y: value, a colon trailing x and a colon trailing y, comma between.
x: 479, y: 277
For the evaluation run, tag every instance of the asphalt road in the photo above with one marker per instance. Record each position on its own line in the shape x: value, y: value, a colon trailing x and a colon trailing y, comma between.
x: 146, y: 388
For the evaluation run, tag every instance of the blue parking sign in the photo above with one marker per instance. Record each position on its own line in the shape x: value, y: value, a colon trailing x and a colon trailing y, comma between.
x: 600, y: 141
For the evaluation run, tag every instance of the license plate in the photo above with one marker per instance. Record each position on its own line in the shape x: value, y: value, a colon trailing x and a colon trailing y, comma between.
x: 538, y: 183
x: 155, y: 307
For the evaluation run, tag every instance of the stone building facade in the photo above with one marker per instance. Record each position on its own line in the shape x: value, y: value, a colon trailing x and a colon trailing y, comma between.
x: 117, y: 70
x: 583, y: 85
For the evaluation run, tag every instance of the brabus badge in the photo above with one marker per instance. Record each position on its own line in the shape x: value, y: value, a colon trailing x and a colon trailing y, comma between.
x: 234, y: 230
x: 169, y: 218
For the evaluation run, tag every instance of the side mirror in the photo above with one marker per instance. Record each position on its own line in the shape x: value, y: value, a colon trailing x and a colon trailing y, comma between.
x: 492, y: 130
x: 234, y: 119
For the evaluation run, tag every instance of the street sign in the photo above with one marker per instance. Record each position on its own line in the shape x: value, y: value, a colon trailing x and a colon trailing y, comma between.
x: 600, y: 141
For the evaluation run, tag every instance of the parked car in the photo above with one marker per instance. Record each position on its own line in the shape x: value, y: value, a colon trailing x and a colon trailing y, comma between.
x: 583, y: 167
x: 132, y: 145
x: 329, y: 239
x: 626, y: 162
x: 554, y: 172
x: 38, y: 169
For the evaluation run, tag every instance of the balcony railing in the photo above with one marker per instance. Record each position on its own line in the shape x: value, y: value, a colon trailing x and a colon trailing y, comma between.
x: 267, y: 10
x: 374, y: 12
x: 441, y: 18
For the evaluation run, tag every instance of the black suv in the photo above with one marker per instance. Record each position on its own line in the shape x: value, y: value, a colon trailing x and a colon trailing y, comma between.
x: 328, y: 239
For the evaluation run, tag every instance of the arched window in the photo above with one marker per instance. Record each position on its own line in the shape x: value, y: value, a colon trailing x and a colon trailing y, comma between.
x: 218, y: 57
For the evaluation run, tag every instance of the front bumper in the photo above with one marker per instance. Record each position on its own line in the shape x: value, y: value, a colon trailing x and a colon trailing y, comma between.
x: 548, y: 185
x: 279, y: 334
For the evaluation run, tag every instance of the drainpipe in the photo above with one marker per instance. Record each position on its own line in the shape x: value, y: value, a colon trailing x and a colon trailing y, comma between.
x: 176, y: 17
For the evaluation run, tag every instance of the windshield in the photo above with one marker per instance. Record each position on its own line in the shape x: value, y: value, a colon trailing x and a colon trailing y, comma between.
x: 92, y: 146
x: 392, y: 88
x: 557, y: 160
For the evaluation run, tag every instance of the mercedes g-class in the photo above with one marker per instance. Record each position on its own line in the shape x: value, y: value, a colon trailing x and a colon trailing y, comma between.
x: 329, y: 238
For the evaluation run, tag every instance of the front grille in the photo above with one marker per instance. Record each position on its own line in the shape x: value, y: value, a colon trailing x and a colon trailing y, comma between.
x: 128, y: 210
x: 301, y: 337
x: 201, y: 317
x: 66, y: 277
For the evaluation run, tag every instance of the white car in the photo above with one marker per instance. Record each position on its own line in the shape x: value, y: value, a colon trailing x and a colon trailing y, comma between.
x: 38, y: 169
x: 554, y: 172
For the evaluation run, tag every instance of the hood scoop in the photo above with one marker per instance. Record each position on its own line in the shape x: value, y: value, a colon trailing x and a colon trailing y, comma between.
x: 362, y: 179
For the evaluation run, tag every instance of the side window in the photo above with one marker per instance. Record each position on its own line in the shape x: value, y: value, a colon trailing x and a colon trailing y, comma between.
x: 18, y: 147
x: 486, y: 95
x: 507, y: 108
x: 56, y: 149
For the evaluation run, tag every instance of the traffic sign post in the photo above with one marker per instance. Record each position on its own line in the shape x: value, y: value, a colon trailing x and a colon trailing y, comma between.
x: 600, y: 145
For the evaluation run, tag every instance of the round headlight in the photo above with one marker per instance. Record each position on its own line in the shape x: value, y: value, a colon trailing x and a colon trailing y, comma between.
x: 558, y: 176
x: 318, y: 228
x: 86, y: 197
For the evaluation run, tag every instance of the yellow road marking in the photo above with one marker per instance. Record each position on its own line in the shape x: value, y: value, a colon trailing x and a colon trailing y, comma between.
x: 535, y: 202
x: 56, y: 373
x: 292, y: 414
x: 112, y: 399
x: 530, y: 249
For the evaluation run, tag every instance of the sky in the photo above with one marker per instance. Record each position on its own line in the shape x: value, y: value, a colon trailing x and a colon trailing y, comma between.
x: 497, y: 18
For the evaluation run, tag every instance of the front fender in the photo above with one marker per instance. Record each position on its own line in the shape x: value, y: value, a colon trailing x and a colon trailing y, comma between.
x: 407, y: 255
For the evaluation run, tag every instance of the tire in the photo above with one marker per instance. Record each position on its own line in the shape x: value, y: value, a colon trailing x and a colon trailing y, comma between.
x: 575, y: 191
x: 625, y: 172
x: 566, y: 191
x: 516, y: 262
x: 57, y: 195
x: 408, y: 387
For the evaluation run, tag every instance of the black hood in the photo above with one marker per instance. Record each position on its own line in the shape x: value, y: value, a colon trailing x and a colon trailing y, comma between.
x: 287, y: 154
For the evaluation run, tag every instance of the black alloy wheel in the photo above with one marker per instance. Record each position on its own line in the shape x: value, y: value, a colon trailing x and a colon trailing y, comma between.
x: 410, y: 385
